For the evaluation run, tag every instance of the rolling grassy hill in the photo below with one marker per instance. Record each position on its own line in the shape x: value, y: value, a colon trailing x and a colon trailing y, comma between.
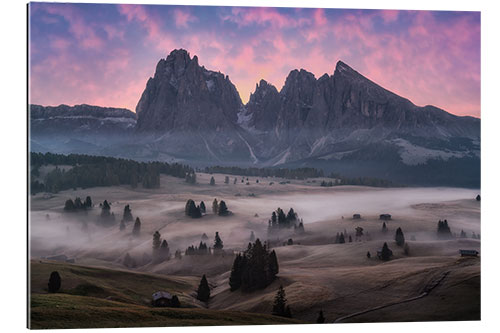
x: 99, y: 297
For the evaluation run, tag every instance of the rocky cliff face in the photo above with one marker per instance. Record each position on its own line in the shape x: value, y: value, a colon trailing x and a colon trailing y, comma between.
x: 191, y: 110
x: 184, y: 96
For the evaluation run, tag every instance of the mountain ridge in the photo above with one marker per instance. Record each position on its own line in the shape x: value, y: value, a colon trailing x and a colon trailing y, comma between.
x: 189, y: 113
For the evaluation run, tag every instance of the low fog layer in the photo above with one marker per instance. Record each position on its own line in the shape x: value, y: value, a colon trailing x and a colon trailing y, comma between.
x: 79, y: 235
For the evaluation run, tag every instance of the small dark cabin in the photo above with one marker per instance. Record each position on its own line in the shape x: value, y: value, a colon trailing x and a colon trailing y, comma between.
x: 356, y: 216
x: 468, y: 253
x: 165, y: 299
x: 385, y: 217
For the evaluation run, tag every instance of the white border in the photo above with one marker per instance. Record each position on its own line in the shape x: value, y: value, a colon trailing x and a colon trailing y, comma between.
x: 13, y: 163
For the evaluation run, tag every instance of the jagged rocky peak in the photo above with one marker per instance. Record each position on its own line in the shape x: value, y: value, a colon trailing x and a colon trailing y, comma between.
x: 184, y: 96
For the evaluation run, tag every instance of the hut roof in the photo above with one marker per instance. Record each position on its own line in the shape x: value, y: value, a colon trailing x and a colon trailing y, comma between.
x: 161, y: 294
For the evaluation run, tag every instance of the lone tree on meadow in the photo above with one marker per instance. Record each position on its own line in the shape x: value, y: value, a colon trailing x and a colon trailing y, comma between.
x: 222, y: 211
x: 215, y: 206
x: 127, y: 213
x: 203, y: 292
x: 218, y: 244
x: 105, y: 209
x: 399, y: 237
x: 212, y: 181
x: 321, y: 319
x: 164, y: 252
x: 156, y: 242
x: 386, y: 253
x: 54, y: 282
x: 137, y: 227
x: 280, y: 308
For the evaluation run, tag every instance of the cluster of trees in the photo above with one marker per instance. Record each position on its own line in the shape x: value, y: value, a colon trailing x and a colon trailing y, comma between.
x: 77, y: 205
x: 90, y: 171
x: 365, y: 181
x: 300, y: 173
x: 194, y: 211
x: 202, y: 249
x: 191, y: 177
x: 342, y: 237
x: 254, y: 269
x: 443, y: 230
x: 280, y: 220
x: 107, y: 217
x: 220, y: 208
x: 161, y: 251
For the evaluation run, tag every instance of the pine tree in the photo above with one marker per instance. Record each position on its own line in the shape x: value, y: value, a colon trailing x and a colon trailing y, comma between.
x: 137, y: 227
x: 350, y: 239
x: 212, y: 181
x: 164, y: 250
x: 218, y: 244
x: 222, y: 211
x: 368, y: 255
x: 341, y: 238
x: 386, y: 253
x: 478, y: 198
x: 236, y: 273
x: 215, y: 206
x: 54, y: 282
x: 399, y: 237
x: 321, y: 319
x: 69, y: 206
x: 273, y: 267
x: 384, y: 228
x: 252, y: 237
x: 105, y: 209
x: 156, y: 242
x: 203, y: 209
x: 127, y: 213
x: 78, y: 204
x: 280, y: 306
x: 88, y: 202
x: 203, y: 292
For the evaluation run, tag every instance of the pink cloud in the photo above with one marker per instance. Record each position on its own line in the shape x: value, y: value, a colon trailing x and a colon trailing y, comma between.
x: 262, y: 16
x: 82, y: 31
x: 183, y: 17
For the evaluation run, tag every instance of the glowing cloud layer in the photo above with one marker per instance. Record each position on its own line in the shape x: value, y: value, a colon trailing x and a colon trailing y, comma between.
x: 104, y: 54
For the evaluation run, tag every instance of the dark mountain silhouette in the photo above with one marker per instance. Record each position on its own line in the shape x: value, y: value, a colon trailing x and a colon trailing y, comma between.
x: 342, y: 122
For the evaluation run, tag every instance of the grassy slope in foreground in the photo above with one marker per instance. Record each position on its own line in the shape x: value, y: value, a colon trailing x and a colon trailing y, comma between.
x: 93, y: 297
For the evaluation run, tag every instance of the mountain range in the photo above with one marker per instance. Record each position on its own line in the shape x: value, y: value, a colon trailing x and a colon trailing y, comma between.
x: 341, y: 122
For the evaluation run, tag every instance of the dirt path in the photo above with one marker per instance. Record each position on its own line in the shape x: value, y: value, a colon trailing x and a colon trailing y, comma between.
x: 426, y: 290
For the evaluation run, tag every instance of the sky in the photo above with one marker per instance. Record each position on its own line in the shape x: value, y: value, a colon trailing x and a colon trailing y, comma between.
x: 103, y: 54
